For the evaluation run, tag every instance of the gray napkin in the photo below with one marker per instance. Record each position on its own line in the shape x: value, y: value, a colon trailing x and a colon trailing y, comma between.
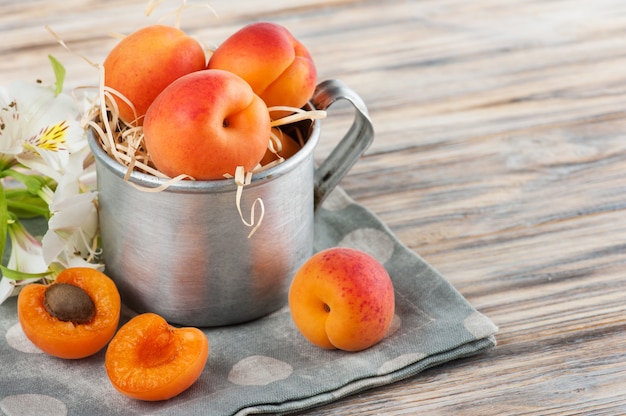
x: 266, y: 366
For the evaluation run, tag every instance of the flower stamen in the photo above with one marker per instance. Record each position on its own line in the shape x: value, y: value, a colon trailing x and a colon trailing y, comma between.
x: 51, y: 138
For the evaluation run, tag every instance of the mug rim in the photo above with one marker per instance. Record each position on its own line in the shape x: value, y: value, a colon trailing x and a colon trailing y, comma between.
x: 190, y: 186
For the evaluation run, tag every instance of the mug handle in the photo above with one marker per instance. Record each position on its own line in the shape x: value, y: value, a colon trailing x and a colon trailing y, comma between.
x: 352, y: 145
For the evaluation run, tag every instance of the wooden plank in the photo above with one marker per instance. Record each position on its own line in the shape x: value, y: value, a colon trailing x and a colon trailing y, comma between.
x: 499, y: 157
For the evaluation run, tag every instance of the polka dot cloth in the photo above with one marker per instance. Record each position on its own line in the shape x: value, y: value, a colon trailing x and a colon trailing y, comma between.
x: 265, y: 366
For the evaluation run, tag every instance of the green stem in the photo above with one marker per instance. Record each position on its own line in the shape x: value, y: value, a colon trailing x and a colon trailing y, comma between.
x: 33, y: 183
x: 24, y: 204
x: 27, y: 210
x: 16, y: 275
x: 4, y: 219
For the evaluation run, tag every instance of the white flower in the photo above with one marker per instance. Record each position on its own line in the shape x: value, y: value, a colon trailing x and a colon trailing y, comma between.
x: 26, y: 251
x: 26, y: 257
x: 7, y: 288
x: 43, y: 147
x: 73, y: 225
x: 38, y: 128
x: 71, y: 228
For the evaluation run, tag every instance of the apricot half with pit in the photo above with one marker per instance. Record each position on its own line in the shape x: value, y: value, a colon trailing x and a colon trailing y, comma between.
x: 74, y: 317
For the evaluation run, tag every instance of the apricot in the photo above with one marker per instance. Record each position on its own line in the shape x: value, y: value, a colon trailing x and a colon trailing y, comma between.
x: 143, y: 63
x: 286, y: 148
x: 342, y: 298
x: 150, y: 360
x: 279, y: 67
x: 205, y: 124
x: 74, y: 317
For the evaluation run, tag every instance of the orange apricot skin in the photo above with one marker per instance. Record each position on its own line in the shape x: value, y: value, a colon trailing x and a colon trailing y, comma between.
x: 143, y: 63
x: 205, y: 124
x: 65, y: 339
x: 279, y: 67
x: 150, y: 360
x: 342, y: 298
x: 288, y: 148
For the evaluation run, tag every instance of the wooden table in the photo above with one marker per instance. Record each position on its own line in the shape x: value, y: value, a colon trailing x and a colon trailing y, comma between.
x: 500, y: 157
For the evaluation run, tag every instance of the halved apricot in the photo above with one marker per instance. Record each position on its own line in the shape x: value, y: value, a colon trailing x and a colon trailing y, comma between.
x: 148, y: 359
x: 74, y: 317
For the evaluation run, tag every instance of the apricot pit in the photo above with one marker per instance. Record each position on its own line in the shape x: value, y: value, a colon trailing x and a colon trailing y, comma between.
x: 69, y: 303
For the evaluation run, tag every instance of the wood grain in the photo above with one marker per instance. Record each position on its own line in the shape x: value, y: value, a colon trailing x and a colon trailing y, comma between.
x: 500, y: 157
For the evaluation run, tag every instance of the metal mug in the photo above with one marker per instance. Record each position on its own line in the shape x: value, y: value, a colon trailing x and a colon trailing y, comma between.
x: 184, y: 252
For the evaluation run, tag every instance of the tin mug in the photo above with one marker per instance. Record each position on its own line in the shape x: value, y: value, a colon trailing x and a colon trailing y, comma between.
x: 184, y: 252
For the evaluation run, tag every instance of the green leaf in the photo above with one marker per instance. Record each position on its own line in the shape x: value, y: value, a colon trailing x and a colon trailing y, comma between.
x: 17, y: 275
x: 4, y: 219
x: 28, y: 207
x: 59, y: 73
x: 33, y: 183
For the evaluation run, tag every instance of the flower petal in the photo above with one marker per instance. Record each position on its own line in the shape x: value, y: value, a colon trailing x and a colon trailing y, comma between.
x: 26, y: 252
x: 40, y: 129
x: 7, y: 287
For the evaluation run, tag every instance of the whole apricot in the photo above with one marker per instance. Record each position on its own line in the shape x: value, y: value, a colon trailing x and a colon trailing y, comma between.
x: 150, y: 360
x: 143, y: 63
x: 285, y: 147
x: 74, y: 317
x: 279, y: 67
x: 205, y: 124
x: 342, y: 298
